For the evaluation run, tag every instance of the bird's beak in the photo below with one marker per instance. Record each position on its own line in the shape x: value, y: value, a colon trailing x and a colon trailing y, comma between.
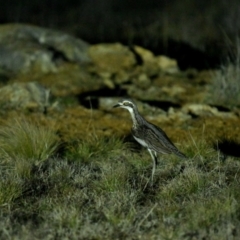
x: 117, y: 105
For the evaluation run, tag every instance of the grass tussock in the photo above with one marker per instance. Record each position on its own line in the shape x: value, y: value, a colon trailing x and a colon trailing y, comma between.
x: 26, y: 145
x: 100, y: 189
x: 21, y: 139
x: 85, y: 150
x: 225, y: 87
x: 10, y: 189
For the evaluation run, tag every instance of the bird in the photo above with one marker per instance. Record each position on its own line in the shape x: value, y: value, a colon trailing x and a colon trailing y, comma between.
x: 149, y: 135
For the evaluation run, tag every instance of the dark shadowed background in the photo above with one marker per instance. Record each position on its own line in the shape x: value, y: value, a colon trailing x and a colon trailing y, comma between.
x: 197, y: 33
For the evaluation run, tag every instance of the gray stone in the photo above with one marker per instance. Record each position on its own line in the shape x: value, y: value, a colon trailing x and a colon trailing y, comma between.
x: 31, y: 96
x: 23, y: 47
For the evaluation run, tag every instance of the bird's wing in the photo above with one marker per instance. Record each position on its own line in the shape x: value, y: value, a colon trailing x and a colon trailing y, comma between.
x: 159, y: 141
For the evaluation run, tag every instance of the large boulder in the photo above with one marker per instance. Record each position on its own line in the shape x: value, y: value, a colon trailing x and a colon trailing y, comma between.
x: 23, y: 47
x: 112, y: 58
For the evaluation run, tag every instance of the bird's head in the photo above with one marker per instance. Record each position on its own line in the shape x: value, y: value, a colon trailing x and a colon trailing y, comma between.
x: 126, y: 103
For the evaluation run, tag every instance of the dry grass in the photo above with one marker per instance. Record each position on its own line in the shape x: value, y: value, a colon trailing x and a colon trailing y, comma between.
x: 100, y: 190
x: 225, y: 87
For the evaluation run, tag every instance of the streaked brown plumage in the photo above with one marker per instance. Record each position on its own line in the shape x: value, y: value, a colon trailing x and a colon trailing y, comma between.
x: 149, y: 135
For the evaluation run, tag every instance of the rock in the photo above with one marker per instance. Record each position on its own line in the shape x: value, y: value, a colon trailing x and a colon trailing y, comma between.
x: 150, y: 66
x: 107, y: 103
x: 162, y: 63
x: 121, y: 77
x: 203, y: 110
x: 146, y: 55
x: 173, y: 91
x: 30, y: 96
x: 70, y: 80
x: 167, y: 64
x: 177, y: 116
x: 112, y: 58
x: 23, y: 47
x: 142, y: 81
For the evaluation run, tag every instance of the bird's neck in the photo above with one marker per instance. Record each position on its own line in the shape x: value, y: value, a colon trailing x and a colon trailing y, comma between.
x: 136, y: 117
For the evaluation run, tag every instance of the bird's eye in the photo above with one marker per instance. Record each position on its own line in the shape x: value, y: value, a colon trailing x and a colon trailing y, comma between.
x: 125, y: 103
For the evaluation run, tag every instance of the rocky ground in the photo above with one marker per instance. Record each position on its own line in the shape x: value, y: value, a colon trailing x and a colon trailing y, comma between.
x: 65, y: 82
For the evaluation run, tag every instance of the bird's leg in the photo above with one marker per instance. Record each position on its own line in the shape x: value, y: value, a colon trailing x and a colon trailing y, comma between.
x: 154, y: 159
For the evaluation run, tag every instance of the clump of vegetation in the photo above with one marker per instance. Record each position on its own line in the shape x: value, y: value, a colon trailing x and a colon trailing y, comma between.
x: 225, y: 88
x: 23, y: 139
x: 85, y: 150
x: 10, y: 187
x: 26, y: 144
